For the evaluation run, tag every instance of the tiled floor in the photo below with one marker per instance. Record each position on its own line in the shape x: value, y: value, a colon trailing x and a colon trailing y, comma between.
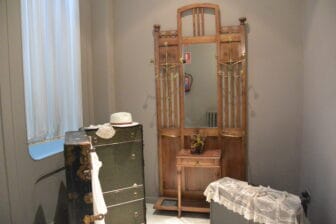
x: 154, y: 217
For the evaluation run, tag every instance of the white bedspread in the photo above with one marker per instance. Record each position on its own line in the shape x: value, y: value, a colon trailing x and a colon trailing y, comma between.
x: 259, y: 204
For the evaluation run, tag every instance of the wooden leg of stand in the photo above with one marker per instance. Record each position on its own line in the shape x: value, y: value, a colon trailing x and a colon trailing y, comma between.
x: 179, y: 196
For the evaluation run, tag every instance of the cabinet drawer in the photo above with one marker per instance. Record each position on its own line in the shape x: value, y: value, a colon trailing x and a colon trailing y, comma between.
x: 122, y: 165
x: 121, y: 135
x: 198, y: 162
x: 123, y: 195
x: 129, y: 213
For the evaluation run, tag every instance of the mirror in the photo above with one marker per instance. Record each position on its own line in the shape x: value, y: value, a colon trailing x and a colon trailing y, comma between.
x: 200, y: 98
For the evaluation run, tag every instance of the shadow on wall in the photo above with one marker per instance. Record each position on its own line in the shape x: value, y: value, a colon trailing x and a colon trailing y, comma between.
x: 61, y: 212
x: 39, y: 216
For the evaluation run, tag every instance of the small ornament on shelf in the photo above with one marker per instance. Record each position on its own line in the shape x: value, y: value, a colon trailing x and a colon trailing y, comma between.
x: 197, y: 144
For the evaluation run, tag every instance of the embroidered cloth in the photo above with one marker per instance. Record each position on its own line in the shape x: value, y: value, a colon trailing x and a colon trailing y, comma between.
x: 256, y: 203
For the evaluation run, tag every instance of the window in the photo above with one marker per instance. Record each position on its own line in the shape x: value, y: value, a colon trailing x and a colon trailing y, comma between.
x: 52, y: 75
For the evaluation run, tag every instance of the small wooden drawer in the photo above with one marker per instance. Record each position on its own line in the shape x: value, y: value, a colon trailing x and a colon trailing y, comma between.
x: 210, y: 158
x: 191, y: 162
x: 121, y: 135
x: 123, y: 195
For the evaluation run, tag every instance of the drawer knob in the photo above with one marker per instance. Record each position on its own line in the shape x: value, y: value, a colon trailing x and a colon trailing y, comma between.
x: 132, y: 134
x: 95, y: 139
x: 197, y: 162
x: 135, y: 193
x: 136, y: 214
x: 133, y: 156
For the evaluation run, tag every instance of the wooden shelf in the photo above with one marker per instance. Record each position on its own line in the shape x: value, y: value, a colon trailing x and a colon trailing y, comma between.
x: 209, y: 158
x: 170, y: 204
x: 166, y: 204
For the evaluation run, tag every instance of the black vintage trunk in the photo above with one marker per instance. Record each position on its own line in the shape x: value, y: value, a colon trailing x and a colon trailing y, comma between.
x: 78, y: 178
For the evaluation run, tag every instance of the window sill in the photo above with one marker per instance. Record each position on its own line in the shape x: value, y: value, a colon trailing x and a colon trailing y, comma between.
x: 43, y: 150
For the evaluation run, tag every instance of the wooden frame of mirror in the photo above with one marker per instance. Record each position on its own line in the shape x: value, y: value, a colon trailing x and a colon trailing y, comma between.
x: 230, y: 133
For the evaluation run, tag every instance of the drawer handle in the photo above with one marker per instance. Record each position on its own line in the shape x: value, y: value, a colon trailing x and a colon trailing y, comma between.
x: 136, y: 214
x: 133, y: 156
x: 197, y: 162
x: 132, y: 134
x: 135, y: 193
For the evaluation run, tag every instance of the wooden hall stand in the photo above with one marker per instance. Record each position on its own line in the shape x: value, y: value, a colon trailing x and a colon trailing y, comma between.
x: 199, y: 25
x: 210, y: 159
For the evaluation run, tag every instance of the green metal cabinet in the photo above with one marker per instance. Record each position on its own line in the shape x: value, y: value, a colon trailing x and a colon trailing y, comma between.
x: 122, y: 165
x: 126, y: 213
x: 122, y: 175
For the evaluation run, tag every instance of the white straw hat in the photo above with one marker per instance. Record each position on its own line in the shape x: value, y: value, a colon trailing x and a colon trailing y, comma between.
x: 122, y: 119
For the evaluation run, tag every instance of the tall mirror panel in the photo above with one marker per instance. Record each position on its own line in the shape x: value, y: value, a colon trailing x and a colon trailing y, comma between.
x: 200, y: 85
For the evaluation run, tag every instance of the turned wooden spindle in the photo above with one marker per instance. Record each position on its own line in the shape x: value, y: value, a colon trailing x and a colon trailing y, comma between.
x: 156, y: 28
x: 242, y: 20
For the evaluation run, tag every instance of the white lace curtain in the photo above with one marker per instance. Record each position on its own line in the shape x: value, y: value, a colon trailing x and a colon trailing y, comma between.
x: 52, y: 75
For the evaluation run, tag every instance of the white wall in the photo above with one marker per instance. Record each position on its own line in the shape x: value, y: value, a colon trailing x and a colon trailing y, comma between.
x: 319, y: 109
x: 275, y: 77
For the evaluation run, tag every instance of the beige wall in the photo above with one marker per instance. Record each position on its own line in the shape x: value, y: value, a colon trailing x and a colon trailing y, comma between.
x: 85, y: 13
x: 4, y: 191
x: 19, y: 173
x: 22, y: 191
x: 97, y: 49
x: 103, y: 63
x: 319, y: 109
x: 275, y: 77
x: 4, y: 205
